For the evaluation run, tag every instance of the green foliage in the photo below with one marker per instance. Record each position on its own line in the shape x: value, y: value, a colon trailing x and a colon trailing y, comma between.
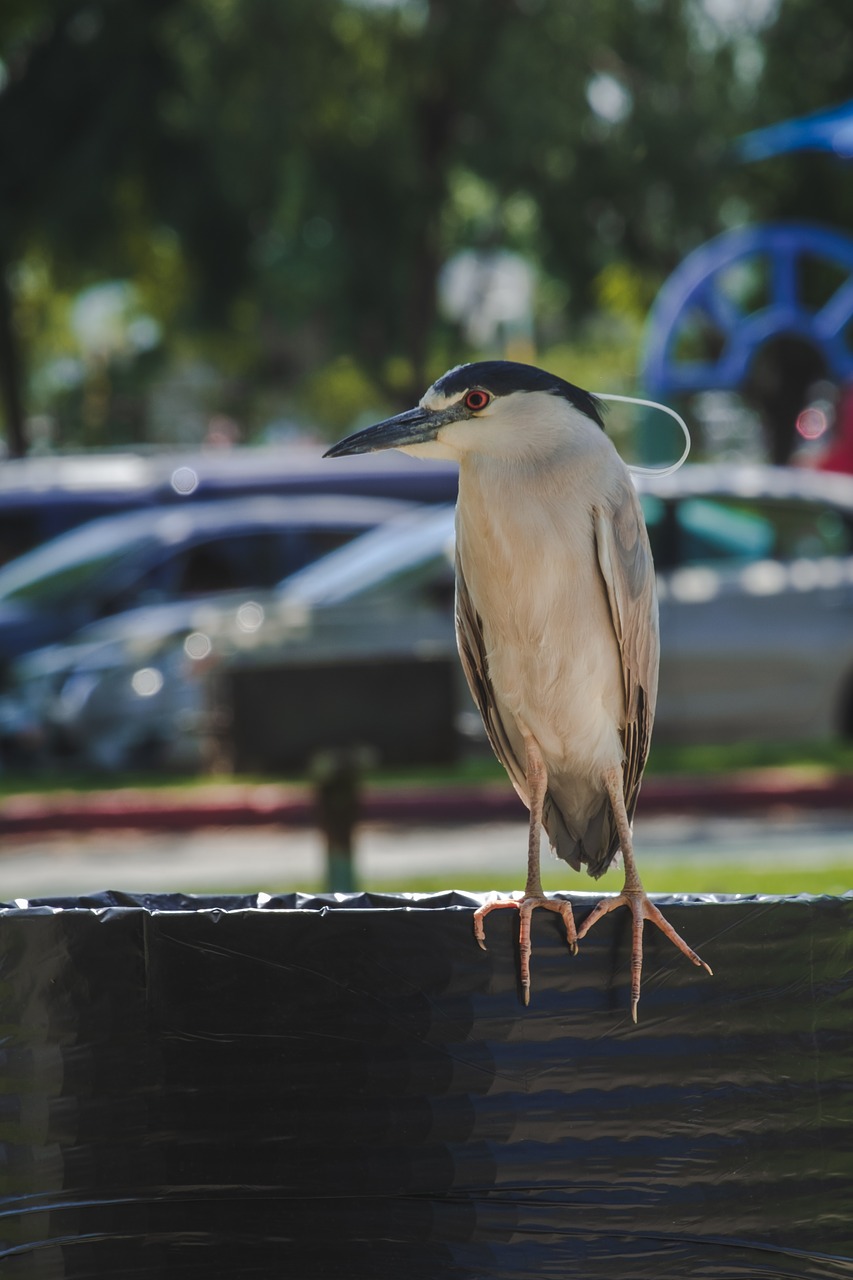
x: 281, y: 182
x: 327, y: 395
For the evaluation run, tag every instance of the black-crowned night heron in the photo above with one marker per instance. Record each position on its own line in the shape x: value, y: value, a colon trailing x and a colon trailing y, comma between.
x: 556, y: 617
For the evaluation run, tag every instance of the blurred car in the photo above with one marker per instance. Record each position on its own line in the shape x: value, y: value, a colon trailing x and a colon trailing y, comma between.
x: 755, y: 577
x: 119, y: 562
x: 42, y: 497
x: 133, y: 690
x: 755, y: 580
x: 105, y: 701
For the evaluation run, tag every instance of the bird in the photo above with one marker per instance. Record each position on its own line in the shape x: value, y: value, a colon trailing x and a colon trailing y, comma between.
x: 556, y: 620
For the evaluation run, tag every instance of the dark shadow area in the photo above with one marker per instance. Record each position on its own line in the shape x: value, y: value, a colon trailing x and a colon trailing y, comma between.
x: 777, y: 385
x: 349, y: 1086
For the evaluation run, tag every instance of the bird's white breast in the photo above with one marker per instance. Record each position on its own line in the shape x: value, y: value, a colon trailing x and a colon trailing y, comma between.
x: 525, y: 539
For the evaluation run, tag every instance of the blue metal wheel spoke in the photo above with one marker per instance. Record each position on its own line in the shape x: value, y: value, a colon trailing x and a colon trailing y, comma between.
x: 724, y: 314
x: 696, y: 287
x: 784, y: 288
x: 835, y: 314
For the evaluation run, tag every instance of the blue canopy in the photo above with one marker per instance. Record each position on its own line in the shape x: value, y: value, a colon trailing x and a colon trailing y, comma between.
x: 830, y: 130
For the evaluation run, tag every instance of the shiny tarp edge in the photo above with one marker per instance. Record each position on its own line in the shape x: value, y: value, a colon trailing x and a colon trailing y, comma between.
x: 347, y: 1085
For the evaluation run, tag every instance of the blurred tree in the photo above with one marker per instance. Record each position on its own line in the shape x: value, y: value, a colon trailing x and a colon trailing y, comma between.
x: 285, y: 180
x: 385, y: 119
x: 93, y: 144
x: 806, y: 59
x: 363, y: 106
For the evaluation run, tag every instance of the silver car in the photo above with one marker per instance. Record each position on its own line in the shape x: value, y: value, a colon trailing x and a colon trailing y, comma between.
x: 755, y: 577
x: 123, y: 561
x: 121, y: 585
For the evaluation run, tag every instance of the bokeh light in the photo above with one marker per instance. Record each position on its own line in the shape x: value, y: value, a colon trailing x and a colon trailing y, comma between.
x: 197, y: 646
x: 812, y: 422
x: 146, y: 682
x: 184, y: 480
x: 250, y: 616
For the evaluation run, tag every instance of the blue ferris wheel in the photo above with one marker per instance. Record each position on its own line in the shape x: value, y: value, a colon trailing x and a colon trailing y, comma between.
x: 761, y: 303
x: 739, y: 291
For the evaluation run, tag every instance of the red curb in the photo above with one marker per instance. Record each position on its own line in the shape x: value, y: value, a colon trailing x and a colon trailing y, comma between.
x: 269, y: 805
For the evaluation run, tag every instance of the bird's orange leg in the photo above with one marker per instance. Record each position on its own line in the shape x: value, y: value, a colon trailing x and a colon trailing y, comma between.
x: 634, y: 897
x: 537, y: 784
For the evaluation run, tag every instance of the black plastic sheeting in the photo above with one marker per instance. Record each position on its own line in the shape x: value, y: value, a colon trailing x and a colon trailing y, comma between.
x: 348, y: 1087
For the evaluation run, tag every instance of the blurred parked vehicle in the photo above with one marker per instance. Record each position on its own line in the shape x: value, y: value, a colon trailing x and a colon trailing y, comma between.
x: 42, y: 497
x: 134, y: 690
x: 755, y: 577
x: 124, y: 693
x: 119, y: 562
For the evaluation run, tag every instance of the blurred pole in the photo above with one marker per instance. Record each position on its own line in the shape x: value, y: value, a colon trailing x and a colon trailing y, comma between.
x: 337, y: 778
x: 11, y: 375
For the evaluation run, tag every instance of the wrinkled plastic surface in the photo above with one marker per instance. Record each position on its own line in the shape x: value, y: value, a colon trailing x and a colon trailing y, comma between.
x: 350, y: 1088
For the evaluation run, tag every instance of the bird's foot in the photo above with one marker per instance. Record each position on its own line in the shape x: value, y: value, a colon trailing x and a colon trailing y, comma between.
x: 526, y: 905
x: 642, y: 909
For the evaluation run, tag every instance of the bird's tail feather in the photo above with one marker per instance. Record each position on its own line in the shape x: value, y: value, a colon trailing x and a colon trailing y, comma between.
x: 596, y: 845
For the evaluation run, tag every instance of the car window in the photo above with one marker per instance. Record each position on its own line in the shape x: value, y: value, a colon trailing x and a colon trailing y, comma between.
x: 262, y: 559
x: 255, y: 559
x: 258, y: 558
x: 19, y: 530
x: 430, y: 582
x: 229, y: 563
x: 360, y: 570
x: 710, y: 530
x: 209, y: 566
x: 232, y: 562
x: 809, y: 530
x: 310, y: 544
x: 70, y: 577
x: 237, y: 560
x: 206, y: 569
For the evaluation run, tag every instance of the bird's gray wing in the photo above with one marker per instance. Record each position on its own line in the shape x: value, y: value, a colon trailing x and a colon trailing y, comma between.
x: 472, y: 651
x: 625, y: 560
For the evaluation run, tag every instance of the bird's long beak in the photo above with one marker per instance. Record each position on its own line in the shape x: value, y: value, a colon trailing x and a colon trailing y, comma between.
x: 415, y: 426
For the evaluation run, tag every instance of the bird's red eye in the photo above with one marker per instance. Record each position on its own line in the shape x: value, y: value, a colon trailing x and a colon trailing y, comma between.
x: 476, y: 400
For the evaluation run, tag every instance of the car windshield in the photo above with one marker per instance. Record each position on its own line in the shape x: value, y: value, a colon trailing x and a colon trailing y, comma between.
x: 732, y: 528
x: 720, y: 530
x: 67, y: 566
x: 406, y: 548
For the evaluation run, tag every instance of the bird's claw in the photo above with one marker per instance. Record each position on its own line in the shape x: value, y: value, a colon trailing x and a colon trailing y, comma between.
x: 480, y: 914
x: 642, y: 909
x: 526, y: 906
